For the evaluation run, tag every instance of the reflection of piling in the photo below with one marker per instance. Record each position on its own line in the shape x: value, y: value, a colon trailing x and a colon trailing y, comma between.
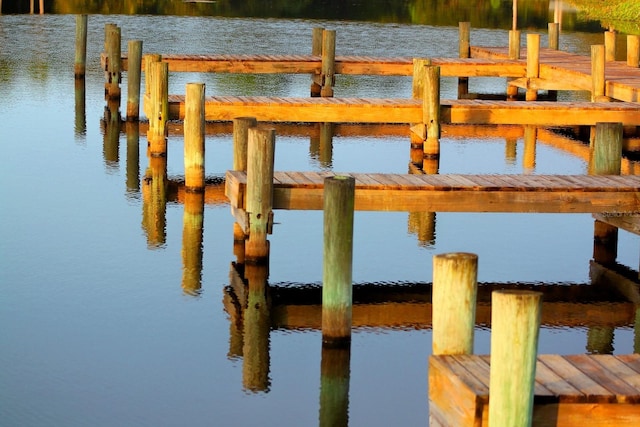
x: 529, y: 157
x: 154, y: 201
x: 334, y: 386
x: 464, y: 51
x: 515, y: 325
x: 328, y: 62
x: 112, y: 66
x: 133, y: 157
x: 134, y: 69
x: 423, y: 224
x: 316, y: 50
x: 194, y: 137
x: 338, y: 208
x: 259, y: 199
x: 110, y: 149
x: 79, y: 66
x: 157, y: 134
x: 192, y: 232
x: 455, y: 288
x: 80, y: 107
x: 256, y: 322
x: 510, y: 150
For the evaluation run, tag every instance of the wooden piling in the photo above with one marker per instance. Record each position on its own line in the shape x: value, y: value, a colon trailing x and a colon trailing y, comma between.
x: 514, y: 53
x: 610, y: 45
x: 338, y: 205
x: 134, y: 49
x: 431, y: 112
x: 554, y: 35
x: 149, y: 59
x: 241, y: 127
x: 157, y: 134
x: 515, y: 325
x: 316, y: 50
x: 113, y: 66
x: 633, y: 50
x: 328, y: 62
x: 464, y: 51
x: 533, y: 63
x: 79, y: 66
x: 454, y: 292
x: 194, y: 137
x: 607, y: 149
x: 259, y: 196
x: 418, y: 130
x: 597, y: 73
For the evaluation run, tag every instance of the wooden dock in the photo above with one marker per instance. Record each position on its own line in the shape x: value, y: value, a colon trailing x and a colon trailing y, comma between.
x: 377, y: 110
x: 455, y: 193
x: 573, y: 390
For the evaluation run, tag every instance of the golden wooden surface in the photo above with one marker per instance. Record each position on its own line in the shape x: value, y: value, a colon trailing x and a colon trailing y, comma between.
x: 593, y: 390
x: 456, y: 193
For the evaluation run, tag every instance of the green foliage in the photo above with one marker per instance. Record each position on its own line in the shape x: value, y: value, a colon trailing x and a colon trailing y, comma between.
x: 621, y: 15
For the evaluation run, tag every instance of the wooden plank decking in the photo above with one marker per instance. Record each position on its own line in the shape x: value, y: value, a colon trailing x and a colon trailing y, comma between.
x: 455, y: 193
x: 566, y: 71
x: 377, y: 110
x: 573, y: 390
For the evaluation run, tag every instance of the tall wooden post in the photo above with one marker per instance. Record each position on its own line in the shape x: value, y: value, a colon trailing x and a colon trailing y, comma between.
x: 606, y: 158
x: 134, y: 70
x: 455, y: 288
x: 113, y: 67
x: 431, y: 113
x: 633, y: 50
x: 328, y: 62
x: 80, y: 61
x: 598, y: 91
x: 157, y: 135
x: 418, y: 130
x: 316, y: 50
x: 514, y: 53
x: 464, y: 51
x: 515, y: 325
x: 149, y: 59
x: 334, y: 386
x: 194, y: 137
x: 533, y: 63
x: 259, y: 198
x: 610, y: 45
x: 241, y: 127
x: 339, y: 196
x: 554, y: 35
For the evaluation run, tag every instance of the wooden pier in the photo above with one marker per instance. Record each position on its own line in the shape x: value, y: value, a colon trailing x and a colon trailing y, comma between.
x: 455, y: 193
x: 573, y: 390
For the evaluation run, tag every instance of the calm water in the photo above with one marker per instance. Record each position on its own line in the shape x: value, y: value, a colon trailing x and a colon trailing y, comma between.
x: 95, y: 326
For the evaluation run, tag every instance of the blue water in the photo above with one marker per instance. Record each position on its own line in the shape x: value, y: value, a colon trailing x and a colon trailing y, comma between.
x: 95, y: 328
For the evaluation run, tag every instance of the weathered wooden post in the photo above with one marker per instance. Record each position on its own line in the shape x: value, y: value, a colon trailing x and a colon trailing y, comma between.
x: 112, y: 66
x: 514, y: 53
x: 633, y: 50
x: 79, y: 66
x: 464, y: 51
x: 533, y: 63
x: 455, y: 288
x: 157, y: 135
x: 610, y: 45
x: 134, y: 69
x: 515, y: 325
x: 328, y: 62
x: 149, y: 59
x: 334, y: 386
x: 316, y: 50
x: 194, y: 137
x: 606, y: 149
x: 431, y: 114
x: 418, y: 131
x: 257, y: 323
x: 339, y: 197
x: 598, y: 91
x: 192, y: 237
x: 241, y: 126
x: 259, y: 197
x: 554, y: 35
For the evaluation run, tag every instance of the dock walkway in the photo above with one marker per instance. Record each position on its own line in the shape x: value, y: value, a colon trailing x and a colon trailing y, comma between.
x: 455, y: 193
x: 593, y: 390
